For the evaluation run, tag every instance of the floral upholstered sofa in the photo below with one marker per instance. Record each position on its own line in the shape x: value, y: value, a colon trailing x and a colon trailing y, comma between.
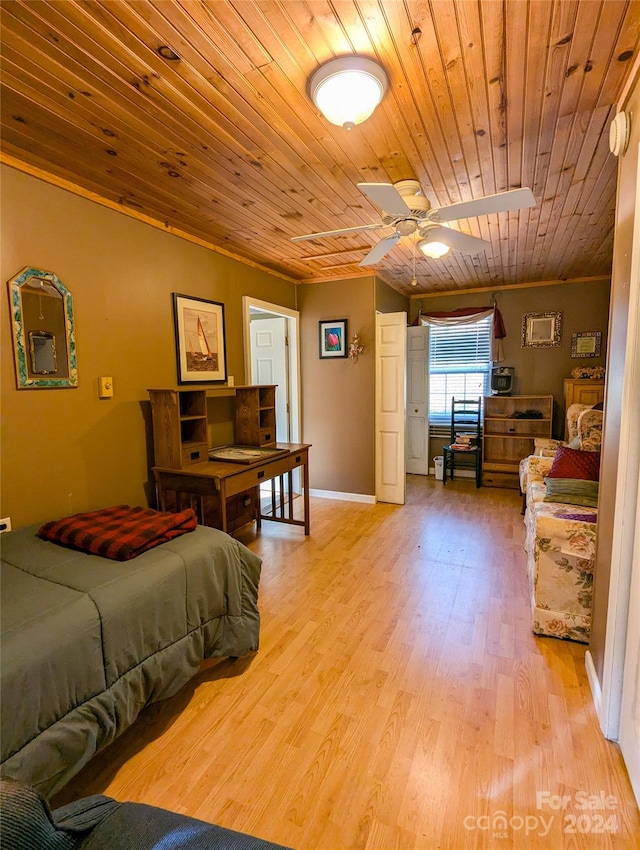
x: 561, y: 535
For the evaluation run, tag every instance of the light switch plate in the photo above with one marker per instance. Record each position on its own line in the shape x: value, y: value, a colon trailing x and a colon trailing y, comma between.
x: 105, y: 387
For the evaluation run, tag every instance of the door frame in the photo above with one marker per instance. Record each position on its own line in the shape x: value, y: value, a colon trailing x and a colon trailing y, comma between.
x: 625, y: 571
x: 293, y: 349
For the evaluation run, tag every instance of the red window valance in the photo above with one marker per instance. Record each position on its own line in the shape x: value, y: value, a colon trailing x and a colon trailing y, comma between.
x: 467, y: 316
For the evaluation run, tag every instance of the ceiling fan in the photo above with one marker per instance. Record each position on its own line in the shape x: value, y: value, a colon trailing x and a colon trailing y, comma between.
x: 405, y: 208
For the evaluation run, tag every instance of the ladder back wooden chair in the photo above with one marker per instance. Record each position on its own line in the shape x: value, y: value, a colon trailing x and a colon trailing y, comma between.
x: 465, y: 437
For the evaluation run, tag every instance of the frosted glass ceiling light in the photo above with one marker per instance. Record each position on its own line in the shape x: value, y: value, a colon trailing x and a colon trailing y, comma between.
x: 347, y: 90
x: 434, y: 250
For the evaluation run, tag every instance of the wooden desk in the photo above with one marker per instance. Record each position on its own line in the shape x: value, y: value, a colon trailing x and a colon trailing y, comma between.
x: 191, y: 484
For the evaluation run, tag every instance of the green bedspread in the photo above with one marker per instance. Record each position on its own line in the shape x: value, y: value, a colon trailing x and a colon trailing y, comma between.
x: 87, y: 642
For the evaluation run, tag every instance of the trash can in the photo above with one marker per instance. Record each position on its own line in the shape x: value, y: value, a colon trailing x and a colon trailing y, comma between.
x: 438, y: 464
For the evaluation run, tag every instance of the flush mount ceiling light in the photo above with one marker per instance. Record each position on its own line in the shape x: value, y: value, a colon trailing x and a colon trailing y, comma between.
x: 348, y: 89
x: 619, y: 134
x: 433, y: 250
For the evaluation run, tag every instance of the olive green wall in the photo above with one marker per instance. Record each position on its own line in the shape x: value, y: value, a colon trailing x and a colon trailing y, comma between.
x: 66, y: 450
x: 585, y: 307
x: 337, y: 394
x: 389, y: 300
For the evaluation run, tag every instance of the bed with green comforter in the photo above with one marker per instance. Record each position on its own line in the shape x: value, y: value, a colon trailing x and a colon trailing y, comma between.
x: 87, y: 642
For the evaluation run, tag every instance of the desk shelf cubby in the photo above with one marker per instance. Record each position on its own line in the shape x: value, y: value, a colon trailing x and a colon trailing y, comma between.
x: 180, y: 424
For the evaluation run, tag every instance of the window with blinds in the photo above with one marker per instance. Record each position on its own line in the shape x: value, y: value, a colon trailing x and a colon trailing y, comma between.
x: 459, y: 366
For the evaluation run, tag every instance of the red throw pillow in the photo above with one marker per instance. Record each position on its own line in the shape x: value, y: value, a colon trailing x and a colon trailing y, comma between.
x: 571, y: 463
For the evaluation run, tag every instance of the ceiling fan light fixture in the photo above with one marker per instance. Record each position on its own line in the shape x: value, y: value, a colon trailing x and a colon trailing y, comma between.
x: 348, y: 89
x: 433, y: 250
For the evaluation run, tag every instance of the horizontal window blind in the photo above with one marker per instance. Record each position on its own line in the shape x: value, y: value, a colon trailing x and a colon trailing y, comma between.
x: 459, y: 365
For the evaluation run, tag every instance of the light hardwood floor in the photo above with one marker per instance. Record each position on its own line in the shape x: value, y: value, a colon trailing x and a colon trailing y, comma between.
x: 398, y: 700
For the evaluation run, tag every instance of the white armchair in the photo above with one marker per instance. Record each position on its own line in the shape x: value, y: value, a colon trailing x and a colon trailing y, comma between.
x: 584, y: 425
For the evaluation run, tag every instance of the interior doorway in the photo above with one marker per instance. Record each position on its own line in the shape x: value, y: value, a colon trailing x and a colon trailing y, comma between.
x: 272, y: 356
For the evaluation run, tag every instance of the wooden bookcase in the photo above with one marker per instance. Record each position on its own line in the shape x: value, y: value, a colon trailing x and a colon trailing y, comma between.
x: 508, y: 435
x: 180, y: 424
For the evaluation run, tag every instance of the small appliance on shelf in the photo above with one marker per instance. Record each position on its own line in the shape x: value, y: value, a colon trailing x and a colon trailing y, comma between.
x: 502, y: 380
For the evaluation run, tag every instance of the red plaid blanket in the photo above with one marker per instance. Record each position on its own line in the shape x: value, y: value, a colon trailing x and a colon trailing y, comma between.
x: 119, y: 533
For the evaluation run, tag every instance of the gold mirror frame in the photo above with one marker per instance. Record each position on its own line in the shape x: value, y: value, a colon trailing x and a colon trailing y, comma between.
x: 54, y: 319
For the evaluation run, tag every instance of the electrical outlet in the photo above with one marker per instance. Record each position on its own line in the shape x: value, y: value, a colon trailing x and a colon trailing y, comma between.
x: 5, y: 524
x: 230, y: 381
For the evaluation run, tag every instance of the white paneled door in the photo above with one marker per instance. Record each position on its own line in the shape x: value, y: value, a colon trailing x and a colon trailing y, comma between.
x: 391, y: 346
x: 417, y: 446
x: 269, y: 365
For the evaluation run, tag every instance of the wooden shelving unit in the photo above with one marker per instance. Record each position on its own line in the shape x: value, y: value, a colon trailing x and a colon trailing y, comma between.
x: 256, y: 416
x: 508, y: 435
x: 180, y: 423
x: 179, y: 427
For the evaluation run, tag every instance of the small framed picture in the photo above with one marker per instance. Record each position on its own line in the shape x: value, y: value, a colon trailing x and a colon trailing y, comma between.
x: 333, y: 338
x: 200, y: 340
x: 541, y: 330
x: 586, y: 344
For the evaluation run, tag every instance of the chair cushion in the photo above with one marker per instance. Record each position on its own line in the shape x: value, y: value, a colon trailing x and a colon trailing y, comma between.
x: 573, y: 414
x: 572, y: 491
x: 571, y: 463
x: 590, y: 430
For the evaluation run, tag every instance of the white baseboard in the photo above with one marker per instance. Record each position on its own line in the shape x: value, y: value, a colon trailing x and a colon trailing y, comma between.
x: 343, y: 497
x: 594, y: 682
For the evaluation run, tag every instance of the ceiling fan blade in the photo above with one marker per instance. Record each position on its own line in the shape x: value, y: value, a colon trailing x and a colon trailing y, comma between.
x: 515, y: 199
x: 337, y: 232
x: 386, y: 197
x: 455, y: 239
x: 380, y: 250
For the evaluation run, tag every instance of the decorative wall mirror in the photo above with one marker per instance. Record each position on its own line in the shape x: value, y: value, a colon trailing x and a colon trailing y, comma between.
x: 44, y: 343
x: 541, y: 330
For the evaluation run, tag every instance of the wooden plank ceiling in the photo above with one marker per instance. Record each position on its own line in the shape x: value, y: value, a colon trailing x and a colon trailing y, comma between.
x: 195, y: 113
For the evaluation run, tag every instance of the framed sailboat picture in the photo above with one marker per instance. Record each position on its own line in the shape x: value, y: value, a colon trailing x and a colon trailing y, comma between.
x: 200, y: 340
